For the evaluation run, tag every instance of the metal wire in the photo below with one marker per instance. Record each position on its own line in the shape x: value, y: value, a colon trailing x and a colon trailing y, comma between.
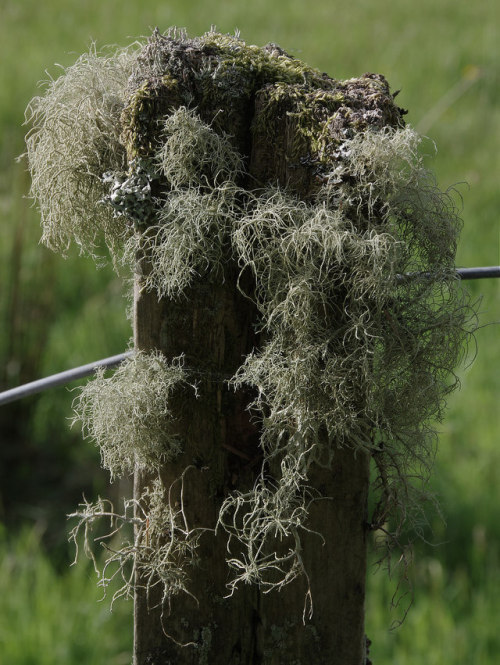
x: 463, y: 273
x: 61, y: 379
x: 86, y: 370
x: 479, y: 273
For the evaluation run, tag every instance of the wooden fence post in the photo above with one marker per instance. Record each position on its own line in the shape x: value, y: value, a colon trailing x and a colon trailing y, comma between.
x: 213, y: 328
x: 213, y: 325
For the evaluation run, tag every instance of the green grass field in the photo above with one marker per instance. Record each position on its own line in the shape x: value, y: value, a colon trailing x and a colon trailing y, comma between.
x: 55, y: 313
x: 53, y: 617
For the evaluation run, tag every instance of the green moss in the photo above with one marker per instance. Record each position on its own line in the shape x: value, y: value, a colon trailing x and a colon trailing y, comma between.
x: 220, y: 75
x: 139, y: 120
x: 263, y: 65
x: 319, y: 120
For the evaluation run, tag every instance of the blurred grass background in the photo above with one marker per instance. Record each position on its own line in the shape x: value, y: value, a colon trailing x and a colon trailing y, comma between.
x: 55, y: 314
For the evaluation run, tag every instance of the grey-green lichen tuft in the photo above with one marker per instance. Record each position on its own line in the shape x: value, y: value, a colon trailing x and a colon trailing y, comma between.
x: 73, y: 141
x: 191, y: 154
x: 193, y: 223
x: 355, y: 355
x: 128, y: 414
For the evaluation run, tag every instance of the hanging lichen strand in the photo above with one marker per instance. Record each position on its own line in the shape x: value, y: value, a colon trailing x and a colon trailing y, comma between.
x: 211, y: 158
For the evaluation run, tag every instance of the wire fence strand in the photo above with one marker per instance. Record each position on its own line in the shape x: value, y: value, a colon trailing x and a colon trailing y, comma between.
x: 62, y: 378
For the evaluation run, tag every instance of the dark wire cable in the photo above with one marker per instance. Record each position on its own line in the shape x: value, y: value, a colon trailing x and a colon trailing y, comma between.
x: 479, y: 273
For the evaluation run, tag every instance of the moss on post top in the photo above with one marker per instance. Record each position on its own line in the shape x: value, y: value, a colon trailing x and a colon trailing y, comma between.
x: 227, y: 81
x: 298, y: 129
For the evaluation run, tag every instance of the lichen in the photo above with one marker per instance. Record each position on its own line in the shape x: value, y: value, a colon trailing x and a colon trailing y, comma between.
x: 130, y: 193
x: 156, y: 545
x: 128, y: 414
x: 193, y: 223
x: 192, y: 154
x: 267, y: 64
x: 74, y: 139
x: 305, y: 127
x: 204, y: 644
x: 187, y: 239
x: 355, y: 356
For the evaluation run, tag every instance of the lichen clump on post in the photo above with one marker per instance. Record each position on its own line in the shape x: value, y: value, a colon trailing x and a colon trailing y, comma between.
x: 195, y: 157
x: 128, y: 414
x: 73, y: 142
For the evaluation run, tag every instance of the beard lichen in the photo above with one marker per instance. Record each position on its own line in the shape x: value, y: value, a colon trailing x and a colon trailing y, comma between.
x: 359, y: 352
x: 155, y: 548
x: 74, y: 139
x: 192, y: 154
x: 265, y: 525
x: 193, y: 222
x: 128, y: 414
x: 361, y: 318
